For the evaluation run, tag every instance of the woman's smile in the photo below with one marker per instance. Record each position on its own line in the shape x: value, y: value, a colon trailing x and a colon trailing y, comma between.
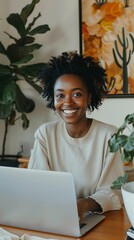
x: 70, y: 113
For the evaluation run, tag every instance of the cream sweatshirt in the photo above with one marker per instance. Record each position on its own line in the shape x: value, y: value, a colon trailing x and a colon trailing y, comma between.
x: 88, y: 158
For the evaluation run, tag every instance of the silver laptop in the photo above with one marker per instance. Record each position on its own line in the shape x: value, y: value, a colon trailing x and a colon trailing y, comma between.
x: 43, y: 201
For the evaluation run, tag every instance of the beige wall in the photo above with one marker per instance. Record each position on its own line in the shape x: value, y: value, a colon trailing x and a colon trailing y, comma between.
x: 63, y: 18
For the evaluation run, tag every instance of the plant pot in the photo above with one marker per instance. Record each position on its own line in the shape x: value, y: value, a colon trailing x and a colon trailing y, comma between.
x: 9, y: 161
x: 128, y: 197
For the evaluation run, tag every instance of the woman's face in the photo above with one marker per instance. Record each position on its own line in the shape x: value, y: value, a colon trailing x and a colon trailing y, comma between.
x: 71, y: 98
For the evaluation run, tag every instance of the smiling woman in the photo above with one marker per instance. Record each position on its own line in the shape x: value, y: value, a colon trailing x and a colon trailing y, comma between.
x: 71, y: 98
x: 77, y: 144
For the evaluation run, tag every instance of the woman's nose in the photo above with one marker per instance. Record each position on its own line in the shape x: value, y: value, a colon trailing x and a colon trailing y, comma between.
x: 68, y: 100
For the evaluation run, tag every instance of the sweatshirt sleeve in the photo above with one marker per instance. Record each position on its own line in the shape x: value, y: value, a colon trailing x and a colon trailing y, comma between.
x: 39, y: 156
x: 104, y: 195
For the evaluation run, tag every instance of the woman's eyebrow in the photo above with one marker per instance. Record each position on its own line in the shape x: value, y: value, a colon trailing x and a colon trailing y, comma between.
x: 77, y: 89
x: 60, y: 90
x: 74, y: 89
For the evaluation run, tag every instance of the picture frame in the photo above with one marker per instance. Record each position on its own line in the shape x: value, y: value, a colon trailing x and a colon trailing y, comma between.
x: 106, y: 33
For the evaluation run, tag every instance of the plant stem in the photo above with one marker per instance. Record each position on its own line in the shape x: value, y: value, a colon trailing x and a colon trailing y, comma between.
x: 4, y: 139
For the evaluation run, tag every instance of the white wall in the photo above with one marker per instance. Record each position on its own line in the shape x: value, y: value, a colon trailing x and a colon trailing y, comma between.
x: 63, y: 18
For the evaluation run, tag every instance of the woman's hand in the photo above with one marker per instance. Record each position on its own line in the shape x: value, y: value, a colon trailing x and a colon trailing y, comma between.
x: 87, y: 204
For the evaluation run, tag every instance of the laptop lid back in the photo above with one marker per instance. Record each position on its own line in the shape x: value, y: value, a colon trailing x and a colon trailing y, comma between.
x: 38, y: 200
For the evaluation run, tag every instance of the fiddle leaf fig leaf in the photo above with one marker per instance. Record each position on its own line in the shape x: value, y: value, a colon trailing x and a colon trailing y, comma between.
x: 39, y: 30
x: 5, y: 70
x: 10, y: 36
x: 25, y: 121
x: 31, y: 70
x: 15, y: 20
x: 27, y: 10
x: 20, y: 52
x: 24, y: 60
x: 6, y: 89
x: 12, y: 117
x: 5, y: 110
x: 9, y: 93
x: 2, y: 49
x: 25, y: 40
x: 22, y: 103
x: 31, y: 24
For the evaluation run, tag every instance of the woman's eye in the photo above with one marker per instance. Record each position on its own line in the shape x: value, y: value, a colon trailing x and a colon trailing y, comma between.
x: 77, y: 94
x: 58, y: 96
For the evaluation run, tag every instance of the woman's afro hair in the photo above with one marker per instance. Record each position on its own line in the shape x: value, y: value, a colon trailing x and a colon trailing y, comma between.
x: 86, y: 68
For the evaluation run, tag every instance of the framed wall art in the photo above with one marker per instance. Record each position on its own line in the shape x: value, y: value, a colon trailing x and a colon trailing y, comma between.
x: 107, y: 34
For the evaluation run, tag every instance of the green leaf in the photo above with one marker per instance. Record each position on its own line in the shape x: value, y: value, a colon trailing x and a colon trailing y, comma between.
x: 130, y: 119
x: 37, y: 87
x: 27, y: 10
x: 17, y: 53
x: 31, y: 24
x: 24, y: 60
x: 12, y: 37
x: 5, y: 110
x: 32, y: 47
x: 122, y: 140
x: 15, y: 20
x: 39, y: 30
x: 11, y: 120
x: 22, y: 103
x: 2, y: 49
x: 25, y: 121
x: 113, y: 144
x: 127, y: 156
x: 25, y: 40
x: 9, y: 93
x: 119, y: 182
x: 5, y: 70
x: 31, y: 70
x: 129, y: 146
x: 7, y: 90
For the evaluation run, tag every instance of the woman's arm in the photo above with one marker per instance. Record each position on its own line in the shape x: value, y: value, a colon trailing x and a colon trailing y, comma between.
x: 107, y: 198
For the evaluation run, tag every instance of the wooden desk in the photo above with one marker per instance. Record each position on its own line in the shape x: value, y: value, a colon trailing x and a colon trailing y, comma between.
x: 113, y: 227
x: 129, y: 169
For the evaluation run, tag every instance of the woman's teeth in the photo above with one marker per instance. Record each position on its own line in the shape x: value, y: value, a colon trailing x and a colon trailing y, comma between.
x: 69, y: 111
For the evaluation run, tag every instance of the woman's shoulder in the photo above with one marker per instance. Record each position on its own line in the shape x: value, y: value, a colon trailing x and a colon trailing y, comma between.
x: 103, y: 126
x: 48, y: 128
x: 49, y: 125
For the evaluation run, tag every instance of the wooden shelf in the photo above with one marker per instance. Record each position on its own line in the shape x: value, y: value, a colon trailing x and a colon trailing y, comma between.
x: 23, y: 162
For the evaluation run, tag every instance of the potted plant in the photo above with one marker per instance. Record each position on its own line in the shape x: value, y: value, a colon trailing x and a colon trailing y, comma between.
x: 13, y: 102
x: 123, y: 140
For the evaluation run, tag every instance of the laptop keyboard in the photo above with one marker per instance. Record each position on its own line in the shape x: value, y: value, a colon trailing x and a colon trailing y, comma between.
x: 82, y: 225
